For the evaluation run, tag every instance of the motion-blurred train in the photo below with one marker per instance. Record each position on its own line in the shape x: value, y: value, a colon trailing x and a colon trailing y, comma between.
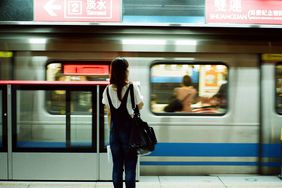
x: 54, y: 125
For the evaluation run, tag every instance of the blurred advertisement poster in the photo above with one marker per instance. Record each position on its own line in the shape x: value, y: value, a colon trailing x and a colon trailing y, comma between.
x: 244, y: 11
x: 77, y: 10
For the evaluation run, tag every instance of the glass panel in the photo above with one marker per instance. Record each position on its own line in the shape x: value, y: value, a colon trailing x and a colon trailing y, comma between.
x: 189, y: 88
x: 35, y: 127
x: 81, y: 125
x: 279, y: 88
x: 106, y: 128
x: 1, y: 121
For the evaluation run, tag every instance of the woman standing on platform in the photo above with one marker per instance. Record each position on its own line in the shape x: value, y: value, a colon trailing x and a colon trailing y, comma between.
x: 117, y: 99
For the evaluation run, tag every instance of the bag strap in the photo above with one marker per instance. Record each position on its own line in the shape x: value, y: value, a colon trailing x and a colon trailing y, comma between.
x: 109, y: 98
x: 134, y: 106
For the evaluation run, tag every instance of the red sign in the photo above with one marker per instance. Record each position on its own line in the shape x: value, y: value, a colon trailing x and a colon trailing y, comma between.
x: 244, y: 11
x: 77, y: 10
x: 86, y: 69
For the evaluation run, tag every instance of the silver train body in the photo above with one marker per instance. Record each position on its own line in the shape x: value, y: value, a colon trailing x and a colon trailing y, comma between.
x: 245, y: 139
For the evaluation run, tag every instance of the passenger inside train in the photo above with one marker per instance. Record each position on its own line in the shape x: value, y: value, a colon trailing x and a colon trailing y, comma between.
x: 184, y: 96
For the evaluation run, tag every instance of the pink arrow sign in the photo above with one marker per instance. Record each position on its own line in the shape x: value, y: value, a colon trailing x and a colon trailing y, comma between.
x: 77, y: 10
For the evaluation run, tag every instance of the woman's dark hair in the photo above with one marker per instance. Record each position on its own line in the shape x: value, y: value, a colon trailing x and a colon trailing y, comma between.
x: 119, y: 74
x: 187, y: 81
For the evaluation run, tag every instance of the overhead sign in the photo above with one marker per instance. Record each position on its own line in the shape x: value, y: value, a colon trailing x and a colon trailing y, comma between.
x: 244, y: 11
x: 77, y: 10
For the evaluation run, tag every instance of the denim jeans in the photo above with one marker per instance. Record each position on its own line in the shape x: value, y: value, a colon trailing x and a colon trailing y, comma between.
x: 124, y: 158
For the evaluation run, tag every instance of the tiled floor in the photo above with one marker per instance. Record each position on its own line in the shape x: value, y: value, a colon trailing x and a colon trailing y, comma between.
x: 216, y: 181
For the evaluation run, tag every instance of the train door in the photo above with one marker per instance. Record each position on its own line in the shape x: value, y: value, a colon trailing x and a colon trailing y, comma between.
x: 58, y: 133
x: 271, y: 81
x: 3, y: 135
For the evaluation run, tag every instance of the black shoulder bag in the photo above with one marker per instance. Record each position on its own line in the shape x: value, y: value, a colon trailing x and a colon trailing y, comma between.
x: 142, y: 136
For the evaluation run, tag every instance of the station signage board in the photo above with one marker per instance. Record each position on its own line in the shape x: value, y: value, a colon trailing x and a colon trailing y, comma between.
x: 244, y: 11
x: 77, y: 10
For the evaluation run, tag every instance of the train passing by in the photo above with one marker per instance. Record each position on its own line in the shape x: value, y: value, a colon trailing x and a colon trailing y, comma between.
x: 54, y: 125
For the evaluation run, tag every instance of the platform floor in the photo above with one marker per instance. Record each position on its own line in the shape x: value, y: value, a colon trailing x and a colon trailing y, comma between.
x: 215, y: 181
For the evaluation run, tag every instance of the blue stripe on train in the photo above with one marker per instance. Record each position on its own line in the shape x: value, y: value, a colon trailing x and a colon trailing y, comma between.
x: 216, y: 150
x: 208, y: 163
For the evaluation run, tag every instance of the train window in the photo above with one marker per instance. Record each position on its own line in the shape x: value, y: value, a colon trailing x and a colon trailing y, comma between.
x: 278, y: 88
x: 73, y: 71
x: 185, y: 88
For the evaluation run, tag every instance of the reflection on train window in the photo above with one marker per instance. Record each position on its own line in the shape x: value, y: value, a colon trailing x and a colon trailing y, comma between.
x: 279, y: 88
x: 56, y: 102
x: 80, y: 102
x: 71, y: 71
x: 179, y: 88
